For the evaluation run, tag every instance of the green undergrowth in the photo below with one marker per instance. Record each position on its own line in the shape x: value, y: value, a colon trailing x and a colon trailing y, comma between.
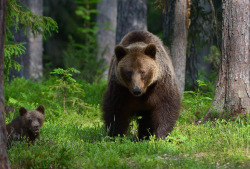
x: 76, y: 138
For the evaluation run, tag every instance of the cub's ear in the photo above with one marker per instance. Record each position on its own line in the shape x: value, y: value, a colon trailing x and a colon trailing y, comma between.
x: 22, y: 111
x: 150, y: 50
x: 120, y: 52
x: 40, y: 109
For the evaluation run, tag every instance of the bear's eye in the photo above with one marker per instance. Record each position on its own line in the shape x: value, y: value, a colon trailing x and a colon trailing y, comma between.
x: 142, y: 73
x: 39, y: 120
x: 29, y: 121
x: 129, y: 73
x: 126, y: 74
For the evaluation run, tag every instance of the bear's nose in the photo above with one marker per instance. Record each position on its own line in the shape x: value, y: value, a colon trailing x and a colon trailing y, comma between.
x: 136, y: 91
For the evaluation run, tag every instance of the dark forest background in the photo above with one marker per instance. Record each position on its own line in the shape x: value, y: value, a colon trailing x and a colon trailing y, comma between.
x: 76, y: 44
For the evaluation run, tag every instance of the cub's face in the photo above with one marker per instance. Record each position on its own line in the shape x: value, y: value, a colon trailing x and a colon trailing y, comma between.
x: 33, y: 119
x: 136, y: 70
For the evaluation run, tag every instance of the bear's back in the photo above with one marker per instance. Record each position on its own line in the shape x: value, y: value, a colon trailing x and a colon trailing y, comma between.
x: 14, y: 126
x: 140, y: 36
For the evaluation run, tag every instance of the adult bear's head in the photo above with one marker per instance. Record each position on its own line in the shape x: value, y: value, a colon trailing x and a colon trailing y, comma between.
x: 137, y: 68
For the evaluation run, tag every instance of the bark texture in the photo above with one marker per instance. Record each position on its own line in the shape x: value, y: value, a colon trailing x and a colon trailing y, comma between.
x: 131, y: 15
x: 168, y: 21
x: 179, y: 45
x: 106, y: 21
x: 232, y: 91
x: 4, y: 164
x: 32, y: 59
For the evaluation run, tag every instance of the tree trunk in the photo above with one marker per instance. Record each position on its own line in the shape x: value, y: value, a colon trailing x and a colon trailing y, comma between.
x: 3, y: 133
x: 32, y: 59
x: 179, y: 45
x: 131, y: 15
x: 168, y: 22
x: 232, y: 91
x: 106, y: 21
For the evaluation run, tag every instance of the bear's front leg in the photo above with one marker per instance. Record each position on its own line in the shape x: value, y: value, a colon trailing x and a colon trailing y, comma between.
x: 116, y: 123
x: 145, y: 128
x: 116, y: 114
x: 164, y: 119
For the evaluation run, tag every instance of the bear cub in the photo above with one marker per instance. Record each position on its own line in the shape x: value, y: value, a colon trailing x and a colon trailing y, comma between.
x: 141, y: 82
x: 26, y: 126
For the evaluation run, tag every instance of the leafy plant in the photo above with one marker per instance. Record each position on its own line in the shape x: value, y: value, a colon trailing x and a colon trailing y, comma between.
x: 197, y: 100
x: 65, y: 85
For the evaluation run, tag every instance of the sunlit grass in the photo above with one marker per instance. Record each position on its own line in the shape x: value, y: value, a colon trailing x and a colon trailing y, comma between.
x: 78, y: 140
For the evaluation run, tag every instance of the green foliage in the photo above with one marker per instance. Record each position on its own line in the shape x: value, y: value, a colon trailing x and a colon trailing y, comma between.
x: 19, y: 18
x: 64, y: 85
x: 65, y: 75
x: 204, y: 32
x: 81, y: 97
x: 78, y: 140
x: 197, y: 101
x: 214, y: 58
x: 155, y: 10
x: 35, y: 156
x: 84, y: 58
x: 94, y: 91
x: 210, y: 79
x: 77, y: 38
x: 11, y: 52
x: 21, y: 92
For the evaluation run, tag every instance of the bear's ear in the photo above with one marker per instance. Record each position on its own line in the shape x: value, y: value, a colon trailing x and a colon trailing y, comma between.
x: 120, y: 52
x: 40, y: 109
x: 150, y: 50
x: 22, y: 111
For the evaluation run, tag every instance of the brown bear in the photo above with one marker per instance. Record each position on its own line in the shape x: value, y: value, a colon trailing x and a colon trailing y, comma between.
x: 141, y: 83
x: 26, y: 126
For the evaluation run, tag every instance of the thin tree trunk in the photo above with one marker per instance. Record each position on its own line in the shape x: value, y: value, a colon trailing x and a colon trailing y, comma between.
x: 131, y: 15
x: 232, y: 91
x: 106, y: 21
x: 36, y: 44
x: 179, y: 45
x: 32, y: 59
x: 168, y: 21
x: 4, y: 164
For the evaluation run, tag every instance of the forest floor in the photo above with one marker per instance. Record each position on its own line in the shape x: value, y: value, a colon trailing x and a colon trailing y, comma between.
x: 76, y: 138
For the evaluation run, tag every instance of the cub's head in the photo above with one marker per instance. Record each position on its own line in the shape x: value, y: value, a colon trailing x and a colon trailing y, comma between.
x: 32, y: 119
x: 137, y: 68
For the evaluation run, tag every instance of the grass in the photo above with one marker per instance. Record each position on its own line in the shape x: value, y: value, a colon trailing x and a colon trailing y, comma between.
x: 76, y: 139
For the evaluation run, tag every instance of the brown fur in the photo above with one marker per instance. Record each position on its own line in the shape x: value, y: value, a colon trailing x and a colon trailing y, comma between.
x: 27, y: 125
x: 159, y: 100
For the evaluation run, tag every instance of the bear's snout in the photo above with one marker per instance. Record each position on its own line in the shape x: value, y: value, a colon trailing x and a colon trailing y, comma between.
x: 36, y: 129
x: 137, y: 91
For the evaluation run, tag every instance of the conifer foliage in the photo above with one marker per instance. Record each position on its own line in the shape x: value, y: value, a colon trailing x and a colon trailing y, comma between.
x: 19, y: 17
